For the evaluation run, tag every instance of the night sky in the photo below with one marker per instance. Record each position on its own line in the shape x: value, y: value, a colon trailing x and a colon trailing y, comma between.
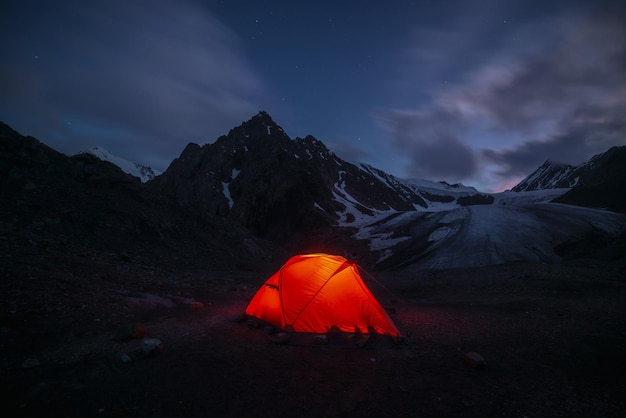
x: 480, y: 92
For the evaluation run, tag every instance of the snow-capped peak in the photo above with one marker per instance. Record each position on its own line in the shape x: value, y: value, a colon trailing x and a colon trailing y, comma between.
x: 134, y: 169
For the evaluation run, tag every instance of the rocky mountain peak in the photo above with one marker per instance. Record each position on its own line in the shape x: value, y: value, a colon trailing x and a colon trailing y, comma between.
x: 600, y: 168
x: 259, y: 177
x: 259, y: 127
x: 550, y: 175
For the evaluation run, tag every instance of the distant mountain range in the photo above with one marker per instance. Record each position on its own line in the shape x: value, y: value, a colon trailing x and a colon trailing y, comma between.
x: 255, y: 195
x: 598, y: 182
x: 601, y: 168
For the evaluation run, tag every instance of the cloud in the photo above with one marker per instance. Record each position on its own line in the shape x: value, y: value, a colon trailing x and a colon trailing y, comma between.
x: 430, y: 140
x: 563, y: 98
x: 348, y: 150
x: 138, y: 75
x: 590, y: 130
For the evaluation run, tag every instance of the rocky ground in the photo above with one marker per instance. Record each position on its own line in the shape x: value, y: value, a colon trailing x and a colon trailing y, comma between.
x: 96, y: 333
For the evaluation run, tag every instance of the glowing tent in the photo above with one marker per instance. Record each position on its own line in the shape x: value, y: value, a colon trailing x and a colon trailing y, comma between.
x: 319, y: 293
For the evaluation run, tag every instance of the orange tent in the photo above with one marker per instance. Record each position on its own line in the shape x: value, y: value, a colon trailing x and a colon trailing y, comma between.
x: 317, y: 292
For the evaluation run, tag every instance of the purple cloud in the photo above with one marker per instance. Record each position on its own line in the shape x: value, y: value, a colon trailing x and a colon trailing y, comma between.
x: 562, y: 98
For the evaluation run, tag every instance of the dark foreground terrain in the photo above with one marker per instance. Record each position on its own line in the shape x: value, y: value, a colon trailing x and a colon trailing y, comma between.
x: 553, y: 337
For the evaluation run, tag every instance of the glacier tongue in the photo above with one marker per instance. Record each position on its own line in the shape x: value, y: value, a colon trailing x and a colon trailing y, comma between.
x: 519, y: 227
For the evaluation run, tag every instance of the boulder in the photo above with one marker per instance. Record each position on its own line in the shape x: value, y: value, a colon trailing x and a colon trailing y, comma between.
x: 29, y: 363
x: 152, y: 346
x: 475, y: 360
x: 131, y: 332
x: 282, y: 338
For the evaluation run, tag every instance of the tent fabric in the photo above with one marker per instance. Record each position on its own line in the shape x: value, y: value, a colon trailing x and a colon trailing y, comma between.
x: 319, y: 293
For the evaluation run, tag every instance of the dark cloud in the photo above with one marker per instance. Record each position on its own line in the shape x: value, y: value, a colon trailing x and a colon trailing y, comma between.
x: 430, y: 141
x: 349, y: 150
x: 579, y: 92
x: 152, y: 74
x: 591, y: 131
x: 444, y: 158
x: 564, y: 96
x: 582, y: 64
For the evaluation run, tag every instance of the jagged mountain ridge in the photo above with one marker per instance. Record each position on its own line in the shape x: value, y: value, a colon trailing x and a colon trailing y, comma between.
x: 255, y: 194
x: 299, y: 193
x: 598, y: 182
x: 598, y: 169
x: 79, y: 203
x: 549, y: 175
x: 258, y: 176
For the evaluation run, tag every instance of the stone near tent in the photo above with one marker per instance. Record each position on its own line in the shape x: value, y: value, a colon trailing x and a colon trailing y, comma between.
x: 363, y: 340
x: 475, y: 360
x: 400, y: 339
x: 125, y: 257
x: 196, y: 305
x: 253, y: 323
x: 152, y: 346
x: 282, y: 338
x: 320, y: 339
x: 29, y: 363
x: 131, y: 332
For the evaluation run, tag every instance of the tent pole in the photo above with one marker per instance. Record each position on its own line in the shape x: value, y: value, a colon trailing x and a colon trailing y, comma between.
x: 378, y: 282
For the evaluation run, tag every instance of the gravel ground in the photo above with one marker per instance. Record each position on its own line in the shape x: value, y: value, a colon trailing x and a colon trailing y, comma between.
x: 553, y: 337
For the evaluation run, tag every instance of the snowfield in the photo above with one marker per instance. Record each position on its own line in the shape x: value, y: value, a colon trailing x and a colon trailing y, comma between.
x: 522, y: 226
x: 134, y: 169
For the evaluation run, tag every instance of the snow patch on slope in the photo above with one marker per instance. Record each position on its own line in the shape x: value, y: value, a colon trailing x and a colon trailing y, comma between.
x: 134, y: 169
x: 355, y: 214
x: 226, y: 187
x: 226, y: 192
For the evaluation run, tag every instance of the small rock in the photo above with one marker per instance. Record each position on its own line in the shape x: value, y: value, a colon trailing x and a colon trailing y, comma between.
x: 29, y: 363
x: 475, y: 360
x: 320, y: 339
x: 399, y: 339
x: 125, y: 257
x: 152, y: 346
x: 131, y: 332
x: 241, y: 318
x: 125, y: 359
x: 363, y: 340
x: 269, y: 330
x: 281, y: 338
x: 253, y: 323
x: 196, y: 305
x: 79, y: 332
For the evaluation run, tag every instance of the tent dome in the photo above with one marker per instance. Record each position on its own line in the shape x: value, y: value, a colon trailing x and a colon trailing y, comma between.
x: 319, y: 293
